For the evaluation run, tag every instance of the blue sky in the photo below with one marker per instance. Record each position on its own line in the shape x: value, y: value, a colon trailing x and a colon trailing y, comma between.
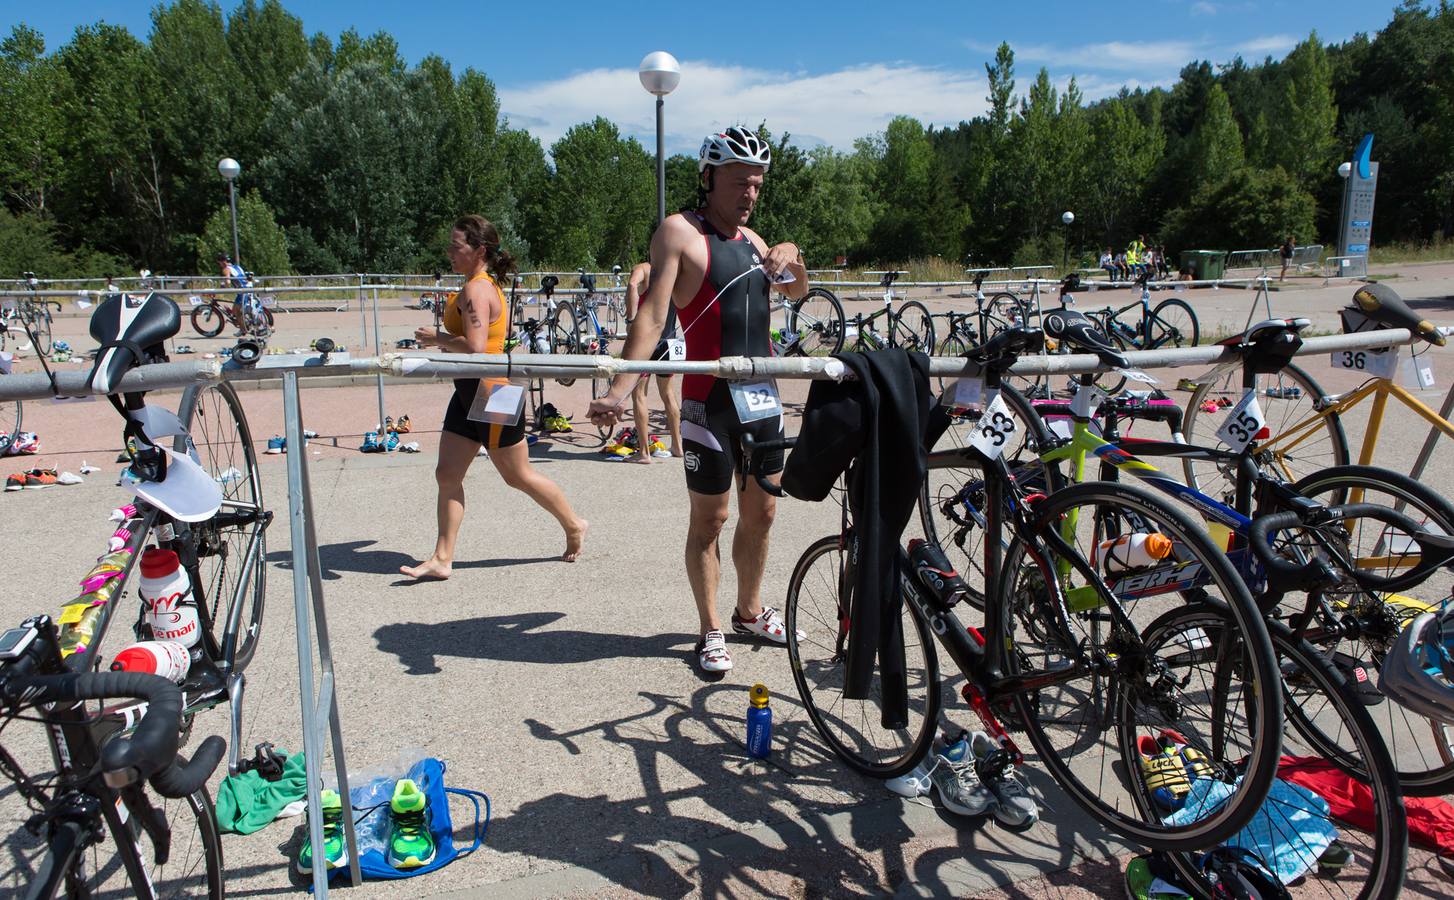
x: 826, y: 71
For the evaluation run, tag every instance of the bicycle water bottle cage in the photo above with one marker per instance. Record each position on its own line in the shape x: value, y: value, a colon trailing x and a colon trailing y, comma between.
x: 1077, y: 330
x: 547, y: 284
x: 1270, y: 345
x: 1385, y: 307
x: 132, y: 331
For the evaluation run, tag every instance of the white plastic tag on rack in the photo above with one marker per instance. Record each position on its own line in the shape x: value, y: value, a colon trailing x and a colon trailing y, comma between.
x: 1417, y: 372
x: 1379, y: 364
x: 1088, y: 398
x: 966, y: 392
x: 1242, y: 423
x: 994, y: 429
x: 1137, y: 375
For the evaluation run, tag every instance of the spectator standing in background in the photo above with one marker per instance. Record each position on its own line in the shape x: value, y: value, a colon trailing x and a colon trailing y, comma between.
x: 1288, y: 246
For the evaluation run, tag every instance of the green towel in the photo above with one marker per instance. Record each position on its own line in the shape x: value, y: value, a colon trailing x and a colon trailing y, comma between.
x: 247, y: 802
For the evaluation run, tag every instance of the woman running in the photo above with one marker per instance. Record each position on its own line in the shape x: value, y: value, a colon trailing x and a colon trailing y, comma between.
x: 475, y: 322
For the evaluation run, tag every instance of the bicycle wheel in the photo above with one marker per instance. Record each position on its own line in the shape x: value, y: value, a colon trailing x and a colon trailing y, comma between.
x: 1299, y: 444
x: 10, y: 419
x: 912, y: 328
x: 817, y: 321
x: 1319, y: 700
x: 1005, y: 310
x: 853, y: 729
x: 232, y: 580
x: 952, y: 497
x: 564, y: 336
x: 1173, y: 324
x: 1086, y: 729
x: 952, y: 346
x: 208, y: 320
x: 1113, y: 382
x: 40, y: 327
x: 1371, y: 621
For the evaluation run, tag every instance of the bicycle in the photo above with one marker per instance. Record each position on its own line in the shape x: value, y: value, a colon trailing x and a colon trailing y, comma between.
x: 31, y: 318
x: 811, y: 325
x: 576, y: 329
x: 991, y: 315
x: 1307, y: 433
x: 210, y: 316
x: 909, y: 327
x: 1172, y: 323
x: 96, y: 810
x: 1351, y: 612
x: 1026, y: 678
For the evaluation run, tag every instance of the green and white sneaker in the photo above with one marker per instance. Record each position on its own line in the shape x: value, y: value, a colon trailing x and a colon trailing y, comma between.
x: 333, y: 849
x: 410, y: 843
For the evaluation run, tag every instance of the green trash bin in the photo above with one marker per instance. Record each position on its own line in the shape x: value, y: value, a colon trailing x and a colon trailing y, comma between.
x: 1204, y: 265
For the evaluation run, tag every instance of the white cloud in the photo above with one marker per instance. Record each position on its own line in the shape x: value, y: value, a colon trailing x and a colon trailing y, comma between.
x: 831, y: 108
x: 1275, y: 44
x: 1203, y: 8
x: 1120, y: 56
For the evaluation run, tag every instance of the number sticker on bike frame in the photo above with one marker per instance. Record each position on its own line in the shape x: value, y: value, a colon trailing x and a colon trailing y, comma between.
x: 1379, y: 364
x: 994, y: 429
x: 755, y: 401
x: 1242, y: 423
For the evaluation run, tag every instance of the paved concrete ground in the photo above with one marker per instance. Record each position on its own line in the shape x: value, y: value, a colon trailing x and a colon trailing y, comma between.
x: 567, y: 692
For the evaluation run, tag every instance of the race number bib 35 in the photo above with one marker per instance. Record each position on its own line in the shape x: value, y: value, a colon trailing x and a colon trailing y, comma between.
x: 755, y: 401
x: 1243, y: 423
x: 497, y: 404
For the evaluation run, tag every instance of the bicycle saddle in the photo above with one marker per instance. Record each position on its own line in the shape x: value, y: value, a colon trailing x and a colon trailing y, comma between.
x: 1073, y: 328
x: 548, y: 283
x: 1004, y: 349
x: 132, y: 330
x: 1383, y: 305
x: 588, y: 282
x: 1269, y: 345
x: 888, y: 279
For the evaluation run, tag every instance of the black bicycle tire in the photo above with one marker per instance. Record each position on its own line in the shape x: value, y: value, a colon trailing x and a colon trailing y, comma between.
x: 251, y: 623
x: 1196, y: 328
x: 1332, y: 424
x: 1391, y: 824
x: 209, y: 312
x: 923, y: 338
x: 837, y: 327
x: 952, y: 346
x: 12, y: 432
x: 1040, y: 438
x: 564, y: 335
x: 44, y: 340
x: 1261, y: 763
x: 1433, y: 782
x: 933, y: 700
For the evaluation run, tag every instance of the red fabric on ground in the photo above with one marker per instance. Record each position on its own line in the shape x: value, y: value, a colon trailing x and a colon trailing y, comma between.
x: 1431, y: 819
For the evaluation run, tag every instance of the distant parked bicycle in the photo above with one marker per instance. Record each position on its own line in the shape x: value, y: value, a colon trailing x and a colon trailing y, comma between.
x: 27, y: 320
x: 1172, y: 323
x: 810, y: 326
x: 909, y: 326
x: 210, y: 316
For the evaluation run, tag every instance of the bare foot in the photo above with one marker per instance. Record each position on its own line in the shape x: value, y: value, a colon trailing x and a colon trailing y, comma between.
x: 676, y: 452
x: 574, y: 537
x: 429, y: 570
x: 643, y: 458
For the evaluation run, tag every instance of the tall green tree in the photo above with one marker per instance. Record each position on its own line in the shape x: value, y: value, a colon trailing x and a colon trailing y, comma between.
x: 1302, y: 143
x: 263, y: 247
x: 31, y: 140
x: 598, y: 207
x: 1216, y: 142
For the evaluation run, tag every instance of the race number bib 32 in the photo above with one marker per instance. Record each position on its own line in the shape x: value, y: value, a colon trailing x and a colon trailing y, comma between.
x: 755, y: 401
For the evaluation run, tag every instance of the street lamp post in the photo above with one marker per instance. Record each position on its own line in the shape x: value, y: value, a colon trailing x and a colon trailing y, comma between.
x: 229, y: 169
x: 1344, y: 170
x: 660, y: 74
x: 1065, y: 219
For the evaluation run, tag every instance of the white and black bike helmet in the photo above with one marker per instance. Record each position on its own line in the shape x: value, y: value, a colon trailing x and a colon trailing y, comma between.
x: 1418, y: 672
x: 735, y: 145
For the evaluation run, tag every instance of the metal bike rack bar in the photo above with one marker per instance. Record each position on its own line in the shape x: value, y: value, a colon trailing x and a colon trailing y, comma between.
x: 319, y: 705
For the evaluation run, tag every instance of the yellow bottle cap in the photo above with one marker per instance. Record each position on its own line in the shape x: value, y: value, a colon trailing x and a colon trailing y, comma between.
x: 759, y: 695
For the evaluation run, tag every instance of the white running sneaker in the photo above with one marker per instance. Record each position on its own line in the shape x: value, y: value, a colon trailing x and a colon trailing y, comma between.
x: 959, y: 787
x: 1014, y: 806
x: 917, y: 782
x: 712, y: 653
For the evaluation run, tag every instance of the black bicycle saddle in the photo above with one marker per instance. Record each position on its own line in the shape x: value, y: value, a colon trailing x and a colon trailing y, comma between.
x: 132, y: 329
x: 1004, y: 349
x: 1073, y: 328
x: 1269, y: 345
x: 588, y: 281
x: 1383, y: 305
x: 548, y: 283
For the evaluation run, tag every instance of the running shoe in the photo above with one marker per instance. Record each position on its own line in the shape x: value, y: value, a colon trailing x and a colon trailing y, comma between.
x: 410, y: 843
x: 276, y: 445
x: 768, y: 624
x: 334, y: 852
x: 1013, y: 806
x: 954, y: 777
x: 917, y: 782
x: 712, y: 653
x: 1164, y: 772
x: 402, y: 426
x: 35, y: 479
x: 15, y: 482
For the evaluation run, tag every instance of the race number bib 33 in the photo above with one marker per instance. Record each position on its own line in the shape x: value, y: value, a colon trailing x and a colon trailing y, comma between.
x: 993, y: 431
x: 755, y: 401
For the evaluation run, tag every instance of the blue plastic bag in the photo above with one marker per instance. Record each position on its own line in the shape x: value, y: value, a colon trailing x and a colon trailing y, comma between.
x: 372, y: 831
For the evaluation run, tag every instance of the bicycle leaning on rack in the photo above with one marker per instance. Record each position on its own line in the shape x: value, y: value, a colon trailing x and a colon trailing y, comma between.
x: 1086, y: 692
x: 28, y: 319
x: 210, y: 315
x: 810, y: 326
x: 909, y: 327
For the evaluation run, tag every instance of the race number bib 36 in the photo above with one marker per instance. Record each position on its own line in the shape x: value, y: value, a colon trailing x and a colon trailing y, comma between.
x: 755, y: 401
x: 1378, y: 364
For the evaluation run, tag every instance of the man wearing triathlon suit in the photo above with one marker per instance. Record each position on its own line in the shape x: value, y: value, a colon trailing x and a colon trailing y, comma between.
x: 717, y: 273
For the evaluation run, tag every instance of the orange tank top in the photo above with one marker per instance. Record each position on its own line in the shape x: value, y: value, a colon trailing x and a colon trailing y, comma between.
x: 454, y: 319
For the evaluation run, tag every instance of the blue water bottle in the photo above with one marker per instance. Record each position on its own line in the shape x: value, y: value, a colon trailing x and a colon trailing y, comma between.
x: 759, y: 723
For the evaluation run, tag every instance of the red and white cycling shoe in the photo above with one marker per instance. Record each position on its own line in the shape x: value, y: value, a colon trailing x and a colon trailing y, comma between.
x: 768, y: 624
x: 712, y: 653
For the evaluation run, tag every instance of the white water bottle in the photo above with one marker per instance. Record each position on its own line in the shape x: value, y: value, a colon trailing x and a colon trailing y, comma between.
x: 541, y: 344
x: 167, y: 592
x: 168, y: 659
x: 1134, y: 551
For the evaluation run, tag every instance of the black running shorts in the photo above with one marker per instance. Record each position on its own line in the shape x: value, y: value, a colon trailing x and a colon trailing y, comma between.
x: 457, y: 420
x: 712, y: 441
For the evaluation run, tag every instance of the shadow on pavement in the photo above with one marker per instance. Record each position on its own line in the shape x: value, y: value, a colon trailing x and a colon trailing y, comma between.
x: 350, y: 556
x: 513, y: 638
x: 801, y: 824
